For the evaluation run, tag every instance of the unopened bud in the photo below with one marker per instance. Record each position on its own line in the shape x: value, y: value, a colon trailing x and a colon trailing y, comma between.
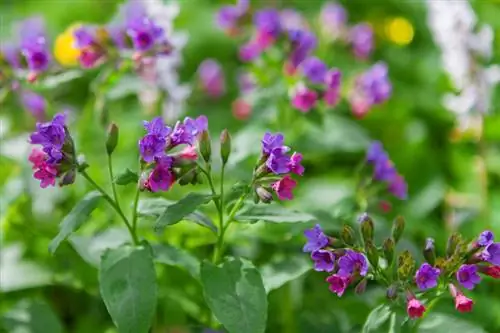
x: 493, y: 271
x: 225, y: 146
x: 112, y: 138
x: 347, y: 235
x: 68, y: 178
x: 406, y: 265
x: 335, y: 242
x: 452, y: 244
x: 367, y: 229
x: 392, y: 292
x: 398, y: 227
x: 430, y: 251
x: 389, y: 250
x: 361, y: 287
x: 264, y: 195
x: 372, y: 253
x: 205, y: 146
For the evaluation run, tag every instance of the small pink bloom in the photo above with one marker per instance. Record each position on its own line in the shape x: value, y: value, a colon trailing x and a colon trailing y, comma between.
x: 284, y: 187
x: 295, y: 165
x: 37, y: 157
x: 264, y: 40
x: 462, y: 303
x: 189, y: 153
x: 338, y: 284
x: 241, y: 109
x: 493, y: 271
x: 304, y: 99
x: 249, y: 51
x: 415, y: 309
x: 211, y: 78
x: 332, y: 97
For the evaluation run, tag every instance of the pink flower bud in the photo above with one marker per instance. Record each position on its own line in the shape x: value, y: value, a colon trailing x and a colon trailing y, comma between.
x: 414, y: 308
x: 493, y: 271
x: 189, y: 153
x: 338, y: 284
x: 463, y: 304
x: 241, y: 109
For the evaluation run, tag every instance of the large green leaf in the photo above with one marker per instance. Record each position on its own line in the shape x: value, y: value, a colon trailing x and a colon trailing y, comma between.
x: 235, y: 293
x: 272, y: 213
x: 31, y: 316
x: 280, y: 272
x: 384, y: 319
x: 128, y: 287
x: 440, y: 322
x: 178, y: 211
x: 173, y: 256
x: 78, y: 215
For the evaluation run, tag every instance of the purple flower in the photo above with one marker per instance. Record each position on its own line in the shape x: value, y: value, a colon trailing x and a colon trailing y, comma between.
x: 85, y: 36
x: 295, y: 164
x: 427, y: 276
x: 374, y: 84
x: 249, y: 51
x: 333, y: 84
x: 284, y: 188
x: 91, y: 52
x: 316, y: 239
x: 33, y: 44
x: 338, y: 284
x: 398, y: 187
x: 212, y: 78
x: 324, y: 261
x: 303, y: 43
x: 352, y: 262
x: 361, y: 36
x: 271, y: 141
x: 51, y: 135
x: 186, y: 132
x: 492, y: 254
x: 228, y: 16
x: 246, y: 83
x: 157, y: 127
x: 291, y: 19
x: 268, y: 22
x: 152, y: 146
x: 140, y: 28
x: 196, y: 126
x: 485, y: 238
x: 333, y: 19
x: 384, y: 170
x: 468, y: 277
x: 278, y: 161
x: 34, y: 103
x: 314, y: 69
x: 304, y: 99
x: 376, y: 153
x: 162, y: 177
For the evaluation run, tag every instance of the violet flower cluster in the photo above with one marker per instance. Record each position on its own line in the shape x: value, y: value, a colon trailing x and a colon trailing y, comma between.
x: 352, y: 263
x: 385, y: 171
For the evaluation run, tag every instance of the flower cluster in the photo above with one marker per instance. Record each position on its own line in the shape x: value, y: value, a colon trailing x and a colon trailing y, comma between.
x: 351, y: 263
x: 385, y: 171
x: 274, y: 169
x: 163, y: 166
x: 57, y: 156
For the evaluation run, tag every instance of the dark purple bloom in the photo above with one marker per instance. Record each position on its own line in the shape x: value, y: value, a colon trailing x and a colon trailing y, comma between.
x: 152, y: 146
x: 361, y: 36
x: 468, y: 277
x: 398, y: 187
x: 162, y: 177
x: 352, y: 262
x: 85, y: 36
x: 384, y: 170
x: 211, y: 78
x: 141, y: 29
x: 34, y: 103
x: 295, y: 164
x: 314, y: 69
x: 324, y: 261
x: 338, y: 284
x: 33, y: 44
x: 303, y: 43
x: 316, y: 239
x: 278, y: 161
x: 272, y: 141
x: 157, y: 127
x: 492, y: 254
x: 485, y: 238
x: 181, y: 135
x: 268, y: 22
x: 51, y: 135
x: 374, y: 84
x: 376, y: 153
x: 427, y: 276
x: 228, y: 16
x: 333, y: 19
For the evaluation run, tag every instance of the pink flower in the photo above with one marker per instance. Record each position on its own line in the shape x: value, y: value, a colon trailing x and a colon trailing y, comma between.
x: 493, y: 271
x: 189, y: 153
x: 332, y: 97
x: 462, y: 303
x: 264, y: 40
x: 37, y: 157
x: 304, y: 99
x: 249, y: 51
x: 241, y: 109
x: 44, y: 172
x: 338, y: 284
x: 295, y: 165
x: 162, y: 177
x: 284, y: 187
x: 414, y: 308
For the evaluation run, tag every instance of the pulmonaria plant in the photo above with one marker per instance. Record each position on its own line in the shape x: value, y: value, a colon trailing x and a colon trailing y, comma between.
x: 351, y: 263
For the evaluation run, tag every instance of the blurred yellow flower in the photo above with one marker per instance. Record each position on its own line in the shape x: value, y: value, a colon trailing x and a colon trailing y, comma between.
x: 64, y: 48
x: 399, y: 30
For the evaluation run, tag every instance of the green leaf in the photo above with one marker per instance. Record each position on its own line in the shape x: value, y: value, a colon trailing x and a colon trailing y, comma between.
x: 128, y: 287
x: 126, y: 177
x: 78, y: 215
x: 176, y: 212
x: 31, y: 316
x: 235, y: 293
x: 384, y: 319
x: 273, y: 214
x: 54, y: 81
x: 278, y: 273
x: 440, y: 322
x: 173, y: 256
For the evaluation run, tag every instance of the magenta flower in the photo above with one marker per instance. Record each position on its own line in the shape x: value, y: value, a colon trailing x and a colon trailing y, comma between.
x: 295, y: 164
x: 284, y: 187
x: 492, y: 253
x: 228, y: 16
x: 324, y: 261
x: 316, y: 239
x: 271, y: 141
x: 314, y: 69
x: 304, y: 99
x: 189, y: 153
x: 463, y: 304
x: 91, y: 51
x: 212, y: 78
x: 162, y: 177
x: 361, y: 36
x: 338, y: 284
x: 352, y: 262
x: 43, y: 171
x: 414, y: 308
x: 485, y: 238
x: 249, y: 51
x: 34, y: 103
x: 152, y: 146
x: 468, y: 276
x: 333, y: 84
x: 427, y: 276
x: 51, y: 136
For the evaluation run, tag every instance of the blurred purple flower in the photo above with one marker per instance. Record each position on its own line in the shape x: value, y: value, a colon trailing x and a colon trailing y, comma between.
x: 352, y: 262
x: 91, y: 52
x: 427, y: 276
x: 212, y: 78
x: 314, y: 69
x: 485, y: 238
x: 268, y: 22
x: 375, y: 152
x: 33, y: 44
x: 284, y: 187
x: 291, y: 19
x: 143, y: 31
x: 271, y: 141
x: 249, y: 51
x: 492, y: 254
x: 333, y: 85
x: 468, y: 277
x: 316, y: 239
x: 35, y: 104
x: 375, y: 83
x: 228, y: 16
x: 361, y: 36
x: 246, y: 83
x: 304, y: 99
x: 398, y: 187
x: 324, y: 260
x: 333, y: 19
x: 302, y: 44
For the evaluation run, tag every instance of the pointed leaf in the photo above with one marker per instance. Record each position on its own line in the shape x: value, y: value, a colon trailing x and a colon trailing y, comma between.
x: 126, y: 177
x: 177, y: 211
x: 278, y: 273
x: 235, y: 293
x: 273, y: 214
x: 31, y: 316
x: 78, y: 215
x: 173, y: 256
x: 128, y: 287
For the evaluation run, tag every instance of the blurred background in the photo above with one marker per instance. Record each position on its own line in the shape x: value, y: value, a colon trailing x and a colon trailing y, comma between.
x: 448, y: 150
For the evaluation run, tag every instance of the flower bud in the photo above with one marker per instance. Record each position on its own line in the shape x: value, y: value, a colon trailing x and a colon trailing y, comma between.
x: 205, y: 146
x: 452, y: 244
x: 225, y: 146
x: 372, y: 253
x: 493, y: 271
x: 406, y: 265
x: 335, y: 242
x: 361, y: 287
x: 389, y: 250
x: 398, y: 227
x: 111, y: 138
x: 347, y: 235
x: 264, y: 195
x: 68, y: 178
x: 392, y: 292
x: 367, y: 229
x: 430, y: 251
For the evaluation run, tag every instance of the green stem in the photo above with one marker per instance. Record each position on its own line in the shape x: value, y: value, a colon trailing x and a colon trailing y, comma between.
x: 112, y: 203
x: 112, y: 180
x: 134, y: 210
